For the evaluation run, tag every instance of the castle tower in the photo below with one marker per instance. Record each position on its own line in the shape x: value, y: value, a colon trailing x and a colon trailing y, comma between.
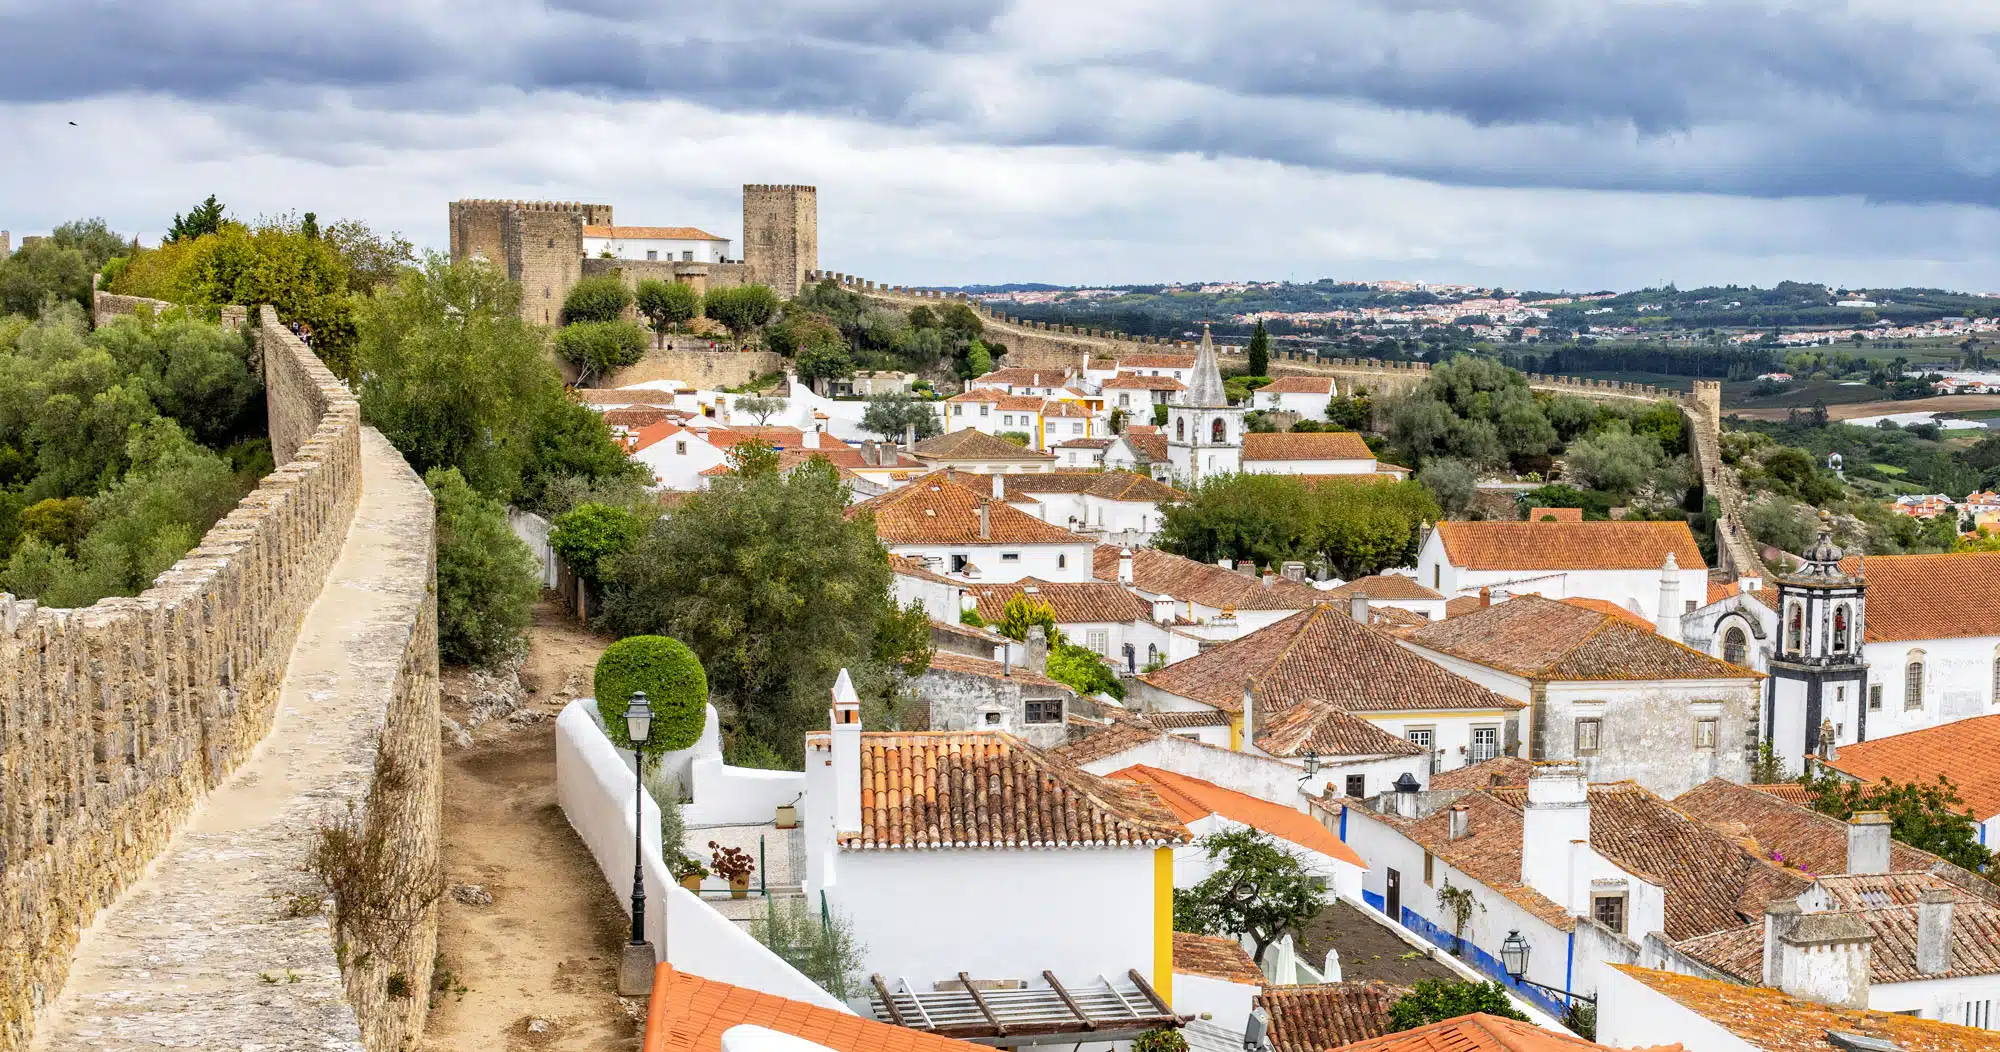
x: 1204, y: 432
x: 1818, y: 679
x: 537, y: 243
x: 781, y: 235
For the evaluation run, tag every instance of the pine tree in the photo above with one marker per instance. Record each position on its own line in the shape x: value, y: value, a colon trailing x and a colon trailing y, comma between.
x: 1260, y: 351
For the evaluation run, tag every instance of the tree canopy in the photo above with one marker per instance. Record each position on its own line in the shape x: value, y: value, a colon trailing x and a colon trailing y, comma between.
x: 1436, y: 1000
x: 892, y: 415
x: 1928, y: 816
x: 1260, y: 891
x: 1354, y: 528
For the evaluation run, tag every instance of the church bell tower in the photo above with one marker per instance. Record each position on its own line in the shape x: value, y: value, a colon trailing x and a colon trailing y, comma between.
x: 1818, y: 680
x: 1204, y: 432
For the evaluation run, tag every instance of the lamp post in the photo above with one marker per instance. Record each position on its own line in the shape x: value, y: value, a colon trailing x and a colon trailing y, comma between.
x: 638, y: 725
x: 1514, y: 958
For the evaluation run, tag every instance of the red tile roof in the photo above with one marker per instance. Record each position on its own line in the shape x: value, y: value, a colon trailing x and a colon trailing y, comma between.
x: 1320, y: 1016
x: 1320, y: 445
x: 1192, y: 799
x: 974, y: 444
x: 1483, y: 1033
x: 1541, y: 639
x: 1383, y: 586
x: 1156, y: 361
x: 1129, y: 382
x: 1905, y: 594
x: 1323, y: 655
x: 1071, y: 602
x: 1500, y: 770
x: 1775, y: 828
x: 1328, y: 731
x: 1110, y: 485
x: 1023, y: 377
x: 1215, y: 957
x: 972, y: 789
x: 1966, y: 751
x: 651, y: 233
x: 1975, y: 939
x: 688, y: 1013
x: 937, y: 509
x: 1615, y: 545
x: 1091, y: 741
x: 1319, y: 385
x: 1212, y: 586
x: 946, y: 661
x: 1558, y: 514
x: 1606, y: 606
x: 1771, y: 1021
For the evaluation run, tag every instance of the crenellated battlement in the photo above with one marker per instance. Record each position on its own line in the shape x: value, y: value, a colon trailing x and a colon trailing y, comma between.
x: 532, y: 206
x: 781, y: 188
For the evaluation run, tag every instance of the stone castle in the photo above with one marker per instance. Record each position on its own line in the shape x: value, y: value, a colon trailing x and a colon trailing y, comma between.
x: 541, y: 245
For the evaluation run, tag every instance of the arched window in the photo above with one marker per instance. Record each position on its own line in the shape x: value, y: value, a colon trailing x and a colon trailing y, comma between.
x: 1840, y: 629
x: 1795, y: 628
x: 1152, y: 654
x: 1180, y: 429
x: 1913, y: 681
x: 1218, y: 432
x: 1736, y: 647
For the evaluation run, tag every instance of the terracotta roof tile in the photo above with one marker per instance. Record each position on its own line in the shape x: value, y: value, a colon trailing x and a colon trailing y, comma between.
x: 1071, y: 602
x: 1771, y: 1021
x: 966, y: 633
x: 1215, y: 957
x: 1500, y: 770
x: 1327, y: 731
x: 1481, y: 1032
x: 1090, y: 741
x: 1558, y: 514
x: 1110, y: 485
x: 1769, y: 825
x: 1130, y: 382
x: 689, y: 1014
x: 1147, y: 441
x: 974, y: 444
x: 1024, y: 377
x: 1489, y: 852
x: 910, y: 566
x: 1192, y: 799
x: 1212, y: 586
x: 1384, y: 586
x: 1320, y: 445
x: 1542, y: 639
x: 1606, y: 606
x: 1460, y: 605
x: 938, y: 509
x: 1323, y: 655
x: 946, y: 661
x: 1905, y: 594
x: 1319, y: 385
x: 1156, y: 361
x: 970, y: 789
x: 1614, y: 545
x: 652, y: 233
x: 1187, y: 719
x: 1320, y: 1016
x: 1966, y: 751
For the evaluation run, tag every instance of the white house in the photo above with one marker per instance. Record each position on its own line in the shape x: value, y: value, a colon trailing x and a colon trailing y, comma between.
x: 1176, y: 366
x: 969, y: 449
x: 1608, y: 693
x: 1310, y: 453
x: 933, y: 824
x: 1212, y: 602
x: 676, y: 455
x: 1117, y: 507
x: 1963, y: 752
x: 682, y: 244
x: 1620, y: 562
x: 960, y: 525
x: 1206, y: 809
x: 1137, y: 395
x: 1305, y: 395
x: 1025, y: 381
x: 1204, y: 431
x: 1640, y: 1007
x: 1045, y: 421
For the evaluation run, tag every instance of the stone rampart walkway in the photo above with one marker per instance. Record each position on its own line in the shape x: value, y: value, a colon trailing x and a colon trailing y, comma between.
x: 212, y: 949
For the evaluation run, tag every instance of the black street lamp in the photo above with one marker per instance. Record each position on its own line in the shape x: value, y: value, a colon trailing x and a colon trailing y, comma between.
x: 638, y: 725
x: 1514, y: 958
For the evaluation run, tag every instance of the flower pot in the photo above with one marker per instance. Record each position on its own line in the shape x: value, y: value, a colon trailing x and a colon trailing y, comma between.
x: 788, y: 816
x: 692, y: 882
x: 739, y: 887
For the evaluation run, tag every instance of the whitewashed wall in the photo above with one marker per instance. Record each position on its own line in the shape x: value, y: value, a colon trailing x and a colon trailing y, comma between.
x: 1958, y: 682
x: 1050, y: 562
x: 1631, y: 1015
x: 534, y: 532
x: 1227, y: 1003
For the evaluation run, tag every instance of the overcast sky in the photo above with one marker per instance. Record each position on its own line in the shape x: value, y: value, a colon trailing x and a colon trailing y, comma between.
x: 1533, y: 143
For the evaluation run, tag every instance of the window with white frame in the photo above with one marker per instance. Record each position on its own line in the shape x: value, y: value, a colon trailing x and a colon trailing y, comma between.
x: 1485, y: 743
x: 1705, y: 731
x: 1100, y: 641
x: 1589, y: 734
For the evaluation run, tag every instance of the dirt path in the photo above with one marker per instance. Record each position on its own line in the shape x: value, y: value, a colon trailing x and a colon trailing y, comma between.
x: 546, y: 949
x: 1936, y: 404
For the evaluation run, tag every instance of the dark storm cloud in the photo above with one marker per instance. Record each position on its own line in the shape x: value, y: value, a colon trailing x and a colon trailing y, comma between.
x: 1730, y: 97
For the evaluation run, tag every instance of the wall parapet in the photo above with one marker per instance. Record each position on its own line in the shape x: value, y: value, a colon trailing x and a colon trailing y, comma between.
x: 116, y: 719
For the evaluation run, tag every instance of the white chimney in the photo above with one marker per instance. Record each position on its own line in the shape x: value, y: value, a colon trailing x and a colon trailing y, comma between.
x: 1038, y: 651
x: 1227, y: 564
x: 1934, y: 931
x: 999, y: 486
x: 811, y: 440
x: 985, y: 523
x: 1125, y: 566
x: 845, y: 717
x: 1779, y: 920
x: 1825, y: 958
x: 1460, y: 822
x: 1868, y: 843
x: 1556, y: 819
x: 909, y: 436
x: 1268, y: 578
x: 1163, y: 610
x: 1357, y: 607
x: 1668, y: 619
x: 1249, y: 713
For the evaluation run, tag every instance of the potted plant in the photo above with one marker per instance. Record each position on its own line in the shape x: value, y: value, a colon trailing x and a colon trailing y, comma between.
x: 688, y: 872
x: 732, y: 864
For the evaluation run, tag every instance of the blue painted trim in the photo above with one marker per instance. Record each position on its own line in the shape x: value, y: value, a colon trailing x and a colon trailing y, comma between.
x: 1479, y: 959
x: 1569, y: 964
x: 1343, y: 827
x: 1372, y: 899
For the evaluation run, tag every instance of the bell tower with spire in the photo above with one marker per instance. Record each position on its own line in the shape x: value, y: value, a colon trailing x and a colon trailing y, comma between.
x: 1204, y: 432
x: 1818, y: 680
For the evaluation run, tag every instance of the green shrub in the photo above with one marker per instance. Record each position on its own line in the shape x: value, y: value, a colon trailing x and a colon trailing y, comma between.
x: 597, y: 347
x: 675, y: 686
x: 596, y: 299
x: 486, y: 577
x: 590, y: 535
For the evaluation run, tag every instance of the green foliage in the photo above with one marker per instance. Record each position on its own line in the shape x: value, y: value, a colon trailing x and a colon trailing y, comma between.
x: 40, y: 274
x: 1769, y: 767
x: 1164, y: 1039
x: 1932, y: 817
x: 487, y: 579
x: 1436, y: 1000
x: 1159, y: 415
x: 569, y: 441
x: 1082, y: 670
x: 1019, y: 438
x: 1356, y: 528
x: 1356, y: 413
x: 92, y: 237
x: 597, y: 347
x: 675, y: 685
x: 823, y: 361
x: 823, y: 947
x: 1557, y: 495
x: 774, y: 588
x: 193, y: 372
x: 1257, y: 359
x: 59, y: 522
x: 892, y: 415
x: 1451, y: 482
x: 201, y: 220
x: 1022, y: 613
x: 1260, y: 891
x: 903, y: 639
x: 978, y: 359
x: 589, y: 536
x: 1614, y: 460
x: 762, y: 407
x: 667, y: 304
x: 596, y: 300
x: 741, y: 310
x: 970, y: 616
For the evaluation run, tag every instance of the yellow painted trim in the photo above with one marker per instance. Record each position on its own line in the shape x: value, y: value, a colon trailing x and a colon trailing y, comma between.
x: 1236, y: 734
x: 1163, y: 923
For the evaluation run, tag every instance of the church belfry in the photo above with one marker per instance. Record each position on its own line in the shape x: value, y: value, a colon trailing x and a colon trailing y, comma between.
x: 1204, y: 432
x: 1818, y: 680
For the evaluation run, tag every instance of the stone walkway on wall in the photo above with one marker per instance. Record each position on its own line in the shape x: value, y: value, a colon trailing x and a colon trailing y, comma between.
x: 206, y: 951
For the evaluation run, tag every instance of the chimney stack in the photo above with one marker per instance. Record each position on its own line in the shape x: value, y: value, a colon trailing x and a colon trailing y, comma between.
x: 1163, y: 610
x: 1825, y: 958
x: 811, y: 440
x: 845, y: 717
x: 1357, y: 607
x: 909, y: 436
x: 1294, y: 571
x: 1249, y: 712
x: 1868, y: 843
x: 1226, y: 563
x: 1268, y: 578
x: 985, y: 522
x: 1668, y: 619
x: 1779, y: 920
x: 1556, y: 820
x: 999, y: 486
x: 1460, y: 822
x: 1934, y: 931
x: 1038, y: 650
x: 1485, y: 596
x: 1125, y: 566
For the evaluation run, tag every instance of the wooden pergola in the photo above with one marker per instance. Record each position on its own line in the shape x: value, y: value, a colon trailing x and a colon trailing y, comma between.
x: 1102, y: 1010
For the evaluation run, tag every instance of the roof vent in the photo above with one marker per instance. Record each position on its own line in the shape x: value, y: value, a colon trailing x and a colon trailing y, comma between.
x: 1860, y: 1042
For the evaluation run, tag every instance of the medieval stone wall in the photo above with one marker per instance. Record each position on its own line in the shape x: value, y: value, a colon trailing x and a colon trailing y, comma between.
x: 707, y: 370
x: 538, y: 243
x: 116, y: 720
x: 104, y: 306
x: 702, y: 276
x: 781, y: 235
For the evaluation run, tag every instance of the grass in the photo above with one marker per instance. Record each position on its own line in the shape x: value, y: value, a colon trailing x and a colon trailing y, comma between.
x: 1801, y: 396
x: 1889, y: 469
x: 1975, y: 414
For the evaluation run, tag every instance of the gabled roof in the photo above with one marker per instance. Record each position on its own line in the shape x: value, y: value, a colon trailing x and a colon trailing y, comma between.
x: 1975, y: 941
x: 1212, y: 586
x: 973, y: 444
x: 1322, y: 655
x: 1319, y: 385
x: 1966, y: 751
x: 1134, y: 382
x: 1500, y: 770
x: 1215, y: 957
x: 946, y: 661
x: 1110, y: 485
x: 1192, y: 799
x: 1542, y: 639
x: 972, y: 789
x: 688, y: 1013
x: 1071, y: 602
x: 1023, y: 376
x: 936, y: 509
x: 1610, y: 545
x: 1091, y: 741
x: 1907, y: 593
x: 1481, y: 1032
x: 1156, y: 361
x: 1311, y: 445
x: 1327, y: 731
x: 652, y: 233
x: 1606, y: 606
x: 1771, y: 1021
x: 1383, y: 586
x: 1769, y: 825
x: 1320, y: 1016
x: 911, y: 566
x: 1147, y: 441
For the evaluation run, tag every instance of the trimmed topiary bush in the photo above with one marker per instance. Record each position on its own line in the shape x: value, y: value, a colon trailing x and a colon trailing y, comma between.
x: 675, y: 686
